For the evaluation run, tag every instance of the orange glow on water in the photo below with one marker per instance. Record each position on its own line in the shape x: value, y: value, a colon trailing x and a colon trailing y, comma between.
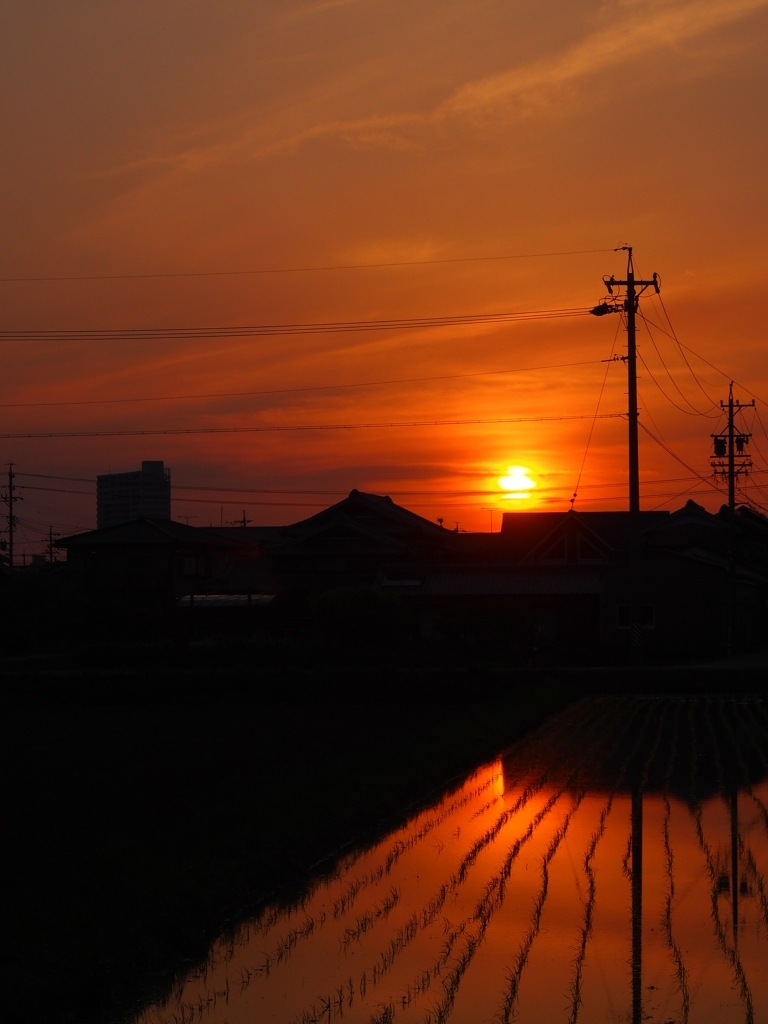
x: 511, y: 899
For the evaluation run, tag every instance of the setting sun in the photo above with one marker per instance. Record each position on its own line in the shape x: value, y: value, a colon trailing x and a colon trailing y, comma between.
x: 517, y: 482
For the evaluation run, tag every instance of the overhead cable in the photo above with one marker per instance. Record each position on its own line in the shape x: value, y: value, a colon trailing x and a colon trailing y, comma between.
x: 328, y: 493
x: 597, y: 410
x: 302, y: 270
x: 289, y: 391
x: 668, y: 450
x: 664, y: 393
x: 682, y: 353
x: 291, y: 428
x: 695, y: 411
x: 277, y: 330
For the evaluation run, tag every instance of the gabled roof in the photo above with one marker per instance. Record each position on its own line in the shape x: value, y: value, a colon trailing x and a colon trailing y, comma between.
x: 524, y: 532
x: 344, y: 529
x: 159, y: 532
x: 372, y: 508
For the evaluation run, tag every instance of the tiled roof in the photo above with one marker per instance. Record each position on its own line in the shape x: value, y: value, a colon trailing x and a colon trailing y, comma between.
x: 147, y: 531
x: 523, y: 531
x: 358, y: 503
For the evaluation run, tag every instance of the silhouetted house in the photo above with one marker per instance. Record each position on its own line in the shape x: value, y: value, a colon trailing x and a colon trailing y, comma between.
x: 122, y: 497
x: 353, y: 542
x: 577, y: 579
x: 686, y: 581
x: 154, y: 562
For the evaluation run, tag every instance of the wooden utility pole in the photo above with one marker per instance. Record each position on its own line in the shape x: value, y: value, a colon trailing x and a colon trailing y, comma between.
x: 9, y: 499
x: 51, y: 552
x: 634, y: 289
x: 730, y: 461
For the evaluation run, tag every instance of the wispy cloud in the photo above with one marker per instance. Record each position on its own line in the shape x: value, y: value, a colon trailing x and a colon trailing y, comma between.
x: 319, y: 7
x: 629, y: 30
x: 632, y: 30
x: 623, y: 32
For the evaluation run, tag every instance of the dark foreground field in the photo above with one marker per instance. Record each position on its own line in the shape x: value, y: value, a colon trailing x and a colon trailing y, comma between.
x: 146, y: 812
x: 141, y: 822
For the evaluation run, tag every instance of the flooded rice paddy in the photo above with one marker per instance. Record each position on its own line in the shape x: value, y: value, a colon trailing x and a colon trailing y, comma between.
x: 612, y: 867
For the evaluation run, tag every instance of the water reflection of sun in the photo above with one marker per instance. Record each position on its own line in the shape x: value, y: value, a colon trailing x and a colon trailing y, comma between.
x: 517, y: 483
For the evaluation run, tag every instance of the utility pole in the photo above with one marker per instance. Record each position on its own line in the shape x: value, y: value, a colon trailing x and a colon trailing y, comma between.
x: 51, y: 535
x: 634, y: 289
x: 9, y: 497
x: 729, y: 460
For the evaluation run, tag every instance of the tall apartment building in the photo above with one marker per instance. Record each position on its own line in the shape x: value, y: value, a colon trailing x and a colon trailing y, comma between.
x: 121, y: 497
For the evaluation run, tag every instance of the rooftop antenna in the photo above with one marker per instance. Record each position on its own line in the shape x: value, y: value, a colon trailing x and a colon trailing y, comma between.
x: 240, y: 522
x: 491, y: 510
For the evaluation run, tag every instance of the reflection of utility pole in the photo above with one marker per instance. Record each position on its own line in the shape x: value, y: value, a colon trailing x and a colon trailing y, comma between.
x: 634, y: 288
x: 735, y: 864
x: 637, y: 903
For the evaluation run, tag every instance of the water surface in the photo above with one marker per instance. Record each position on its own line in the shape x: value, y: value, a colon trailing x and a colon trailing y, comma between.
x: 612, y: 867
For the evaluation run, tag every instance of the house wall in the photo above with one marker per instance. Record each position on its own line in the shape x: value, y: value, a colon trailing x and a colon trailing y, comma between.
x: 688, y: 601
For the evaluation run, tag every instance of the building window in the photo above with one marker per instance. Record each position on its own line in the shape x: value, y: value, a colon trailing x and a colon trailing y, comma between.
x: 624, y: 616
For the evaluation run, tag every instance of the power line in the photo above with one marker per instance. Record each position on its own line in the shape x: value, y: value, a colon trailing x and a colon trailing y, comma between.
x: 695, y: 412
x: 293, y: 428
x: 679, y: 494
x: 240, y: 491
x: 664, y: 393
x: 279, y: 330
x: 331, y: 493
x: 728, y: 376
x: 286, y: 391
x: 680, y: 347
x: 594, y: 418
x: 301, y: 270
x: 668, y: 450
x: 674, y: 337
x: 436, y: 503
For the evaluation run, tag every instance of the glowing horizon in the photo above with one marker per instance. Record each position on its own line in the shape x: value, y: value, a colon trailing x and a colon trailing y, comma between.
x: 326, y: 135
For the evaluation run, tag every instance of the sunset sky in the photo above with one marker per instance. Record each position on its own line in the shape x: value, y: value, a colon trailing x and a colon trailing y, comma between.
x: 173, y: 137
